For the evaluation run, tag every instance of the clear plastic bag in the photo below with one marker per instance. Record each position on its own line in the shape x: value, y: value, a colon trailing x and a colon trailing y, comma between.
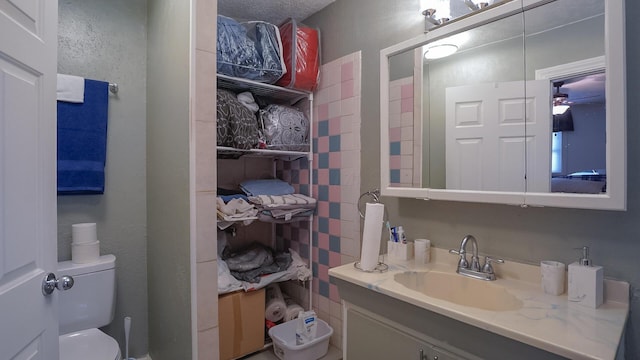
x: 285, y: 128
x: 251, y: 50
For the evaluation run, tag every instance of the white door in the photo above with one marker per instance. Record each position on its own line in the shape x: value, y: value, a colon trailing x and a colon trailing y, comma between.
x: 487, y: 147
x: 28, y: 58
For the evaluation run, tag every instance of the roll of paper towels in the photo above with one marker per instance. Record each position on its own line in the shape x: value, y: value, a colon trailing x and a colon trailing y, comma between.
x: 371, y: 235
x: 84, y: 233
x: 275, y: 306
x: 292, y: 310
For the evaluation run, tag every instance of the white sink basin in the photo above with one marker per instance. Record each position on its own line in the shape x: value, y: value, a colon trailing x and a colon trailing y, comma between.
x: 460, y: 290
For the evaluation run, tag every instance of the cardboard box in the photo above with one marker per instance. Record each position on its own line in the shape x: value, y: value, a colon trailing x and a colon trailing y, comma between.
x: 241, y: 323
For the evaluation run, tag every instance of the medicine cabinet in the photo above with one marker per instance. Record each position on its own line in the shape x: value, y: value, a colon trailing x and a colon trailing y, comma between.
x: 483, y: 125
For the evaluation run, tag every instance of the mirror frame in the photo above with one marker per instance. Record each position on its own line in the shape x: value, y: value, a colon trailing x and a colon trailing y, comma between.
x: 616, y: 117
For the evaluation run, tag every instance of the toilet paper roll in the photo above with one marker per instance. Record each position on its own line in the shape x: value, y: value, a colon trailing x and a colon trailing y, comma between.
x: 371, y: 235
x: 275, y: 307
x: 84, y: 233
x: 292, y: 310
x: 84, y: 253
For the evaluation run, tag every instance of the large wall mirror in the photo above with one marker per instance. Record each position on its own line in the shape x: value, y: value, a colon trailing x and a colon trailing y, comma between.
x: 530, y: 109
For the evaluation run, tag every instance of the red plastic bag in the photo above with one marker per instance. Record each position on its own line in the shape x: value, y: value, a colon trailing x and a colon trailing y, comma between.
x: 301, y: 50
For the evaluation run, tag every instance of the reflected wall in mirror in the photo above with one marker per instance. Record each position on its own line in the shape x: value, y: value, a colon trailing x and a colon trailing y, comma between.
x: 482, y: 119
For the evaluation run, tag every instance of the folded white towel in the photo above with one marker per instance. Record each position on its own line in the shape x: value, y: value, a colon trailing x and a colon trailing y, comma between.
x: 70, y: 88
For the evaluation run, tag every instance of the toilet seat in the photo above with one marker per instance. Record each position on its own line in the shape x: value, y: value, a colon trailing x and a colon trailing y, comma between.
x: 88, y: 344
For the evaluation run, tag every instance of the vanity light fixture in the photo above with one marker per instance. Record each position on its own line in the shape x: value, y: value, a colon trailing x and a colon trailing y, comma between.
x: 475, y: 6
x: 429, y: 17
x: 439, y: 51
x: 444, y: 6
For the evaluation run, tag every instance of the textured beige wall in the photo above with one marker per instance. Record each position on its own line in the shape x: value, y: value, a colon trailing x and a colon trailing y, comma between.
x: 168, y: 204
x: 107, y: 40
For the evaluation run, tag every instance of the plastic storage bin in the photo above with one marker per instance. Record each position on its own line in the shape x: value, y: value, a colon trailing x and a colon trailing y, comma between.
x: 284, y: 342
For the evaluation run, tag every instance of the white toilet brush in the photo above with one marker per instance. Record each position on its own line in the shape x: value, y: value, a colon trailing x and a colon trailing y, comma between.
x: 127, y: 328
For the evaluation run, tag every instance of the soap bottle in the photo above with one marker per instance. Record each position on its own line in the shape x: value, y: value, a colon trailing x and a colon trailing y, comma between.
x: 586, y: 281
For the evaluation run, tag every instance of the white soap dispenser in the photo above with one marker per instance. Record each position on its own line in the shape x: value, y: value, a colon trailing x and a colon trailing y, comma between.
x: 586, y: 281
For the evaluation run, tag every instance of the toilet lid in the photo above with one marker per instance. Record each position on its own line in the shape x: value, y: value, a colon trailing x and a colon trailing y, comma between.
x: 88, y: 344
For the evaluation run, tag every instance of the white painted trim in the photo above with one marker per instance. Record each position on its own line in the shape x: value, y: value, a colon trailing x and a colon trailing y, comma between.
x: 416, y: 179
x: 576, y: 68
x: 193, y: 269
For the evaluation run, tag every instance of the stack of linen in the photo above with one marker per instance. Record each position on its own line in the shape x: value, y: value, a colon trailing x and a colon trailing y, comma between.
x: 277, y: 201
x: 270, y: 200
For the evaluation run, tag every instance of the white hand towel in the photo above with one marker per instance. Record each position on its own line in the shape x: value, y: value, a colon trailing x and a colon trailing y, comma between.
x: 70, y: 88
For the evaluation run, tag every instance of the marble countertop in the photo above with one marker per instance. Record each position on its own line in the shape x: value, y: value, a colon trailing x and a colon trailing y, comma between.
x: 545, y: 321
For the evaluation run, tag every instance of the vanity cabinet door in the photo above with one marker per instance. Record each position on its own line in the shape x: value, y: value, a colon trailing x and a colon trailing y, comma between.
x: 369, y: 338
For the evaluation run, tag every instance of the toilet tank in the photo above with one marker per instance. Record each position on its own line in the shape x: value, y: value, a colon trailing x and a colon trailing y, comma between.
x: 90, y: 303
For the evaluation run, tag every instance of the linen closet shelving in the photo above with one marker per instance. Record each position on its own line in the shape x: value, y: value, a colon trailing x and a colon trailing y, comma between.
x: 236, y: 165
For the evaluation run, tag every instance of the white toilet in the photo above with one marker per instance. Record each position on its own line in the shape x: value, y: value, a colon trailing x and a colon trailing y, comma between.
x: 88, y: 305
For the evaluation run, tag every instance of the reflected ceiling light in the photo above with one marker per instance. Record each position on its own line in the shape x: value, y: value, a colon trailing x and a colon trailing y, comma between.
x: 439, y: 51
x: 560, y: 100
x: 560, y: 109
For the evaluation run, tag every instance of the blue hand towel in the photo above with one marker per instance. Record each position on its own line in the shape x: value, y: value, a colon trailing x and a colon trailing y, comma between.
x: 82, y: 141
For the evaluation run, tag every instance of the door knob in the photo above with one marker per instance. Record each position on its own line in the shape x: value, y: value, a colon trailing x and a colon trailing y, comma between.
x: 50, y: 283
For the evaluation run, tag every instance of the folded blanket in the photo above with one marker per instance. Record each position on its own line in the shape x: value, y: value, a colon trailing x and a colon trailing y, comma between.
x: 288, y: 213
x: 227, y: 198
x: 289, y: 201
x: 266, y: 187
x: 284, y: 216
x: 236, y: 208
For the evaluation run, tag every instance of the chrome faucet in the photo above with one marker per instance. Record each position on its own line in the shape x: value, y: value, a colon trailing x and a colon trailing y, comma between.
x: 474, y: 269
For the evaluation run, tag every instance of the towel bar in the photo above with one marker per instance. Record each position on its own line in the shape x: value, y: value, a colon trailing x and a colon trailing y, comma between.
x: 113, y: 88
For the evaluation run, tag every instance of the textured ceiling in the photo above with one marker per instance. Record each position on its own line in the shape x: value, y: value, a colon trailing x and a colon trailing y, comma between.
x: 273, y: 11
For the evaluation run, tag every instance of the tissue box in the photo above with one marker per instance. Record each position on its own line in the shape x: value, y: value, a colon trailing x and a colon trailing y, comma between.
x: 241, y: 323
x: 400, y: 251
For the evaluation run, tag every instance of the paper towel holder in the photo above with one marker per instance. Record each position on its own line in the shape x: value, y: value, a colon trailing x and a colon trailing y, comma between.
x: 380, y: 268
x: 375, y: 195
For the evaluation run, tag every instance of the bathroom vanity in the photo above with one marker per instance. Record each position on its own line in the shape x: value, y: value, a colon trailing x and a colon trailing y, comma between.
x: 430, y: 312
